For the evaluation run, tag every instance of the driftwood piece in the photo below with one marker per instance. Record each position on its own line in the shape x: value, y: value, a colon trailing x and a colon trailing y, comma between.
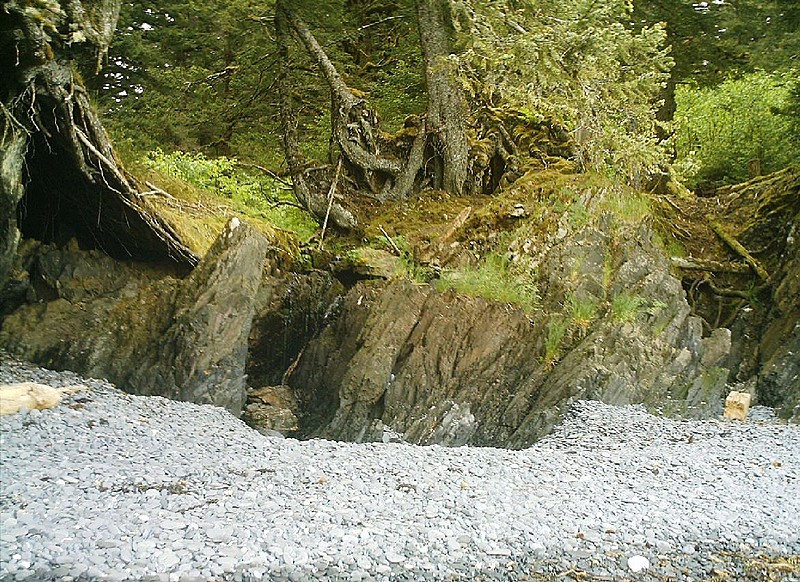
x: 739, y: 249
x: 32, y: 396
x: 737, y: 404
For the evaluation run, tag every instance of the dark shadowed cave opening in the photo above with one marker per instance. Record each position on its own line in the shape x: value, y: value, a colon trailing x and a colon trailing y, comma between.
x: 61, y: 203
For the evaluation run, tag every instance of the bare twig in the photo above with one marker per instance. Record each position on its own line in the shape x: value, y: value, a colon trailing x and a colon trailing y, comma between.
x: 267, y: 171
x: 387, y: 19
x: 671, y: 203
x: 391, y: 241
x: 155, y: 190
x: 288, y: 203
x: 330, y: 201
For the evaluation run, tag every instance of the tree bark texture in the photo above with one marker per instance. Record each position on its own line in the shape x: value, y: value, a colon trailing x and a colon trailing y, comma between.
x: 446, y: 105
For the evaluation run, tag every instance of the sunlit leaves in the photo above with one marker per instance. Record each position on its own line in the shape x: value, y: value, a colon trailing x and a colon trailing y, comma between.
x: 744, y: 121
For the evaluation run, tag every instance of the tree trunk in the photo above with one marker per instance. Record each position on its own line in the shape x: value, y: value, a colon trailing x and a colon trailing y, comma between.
x: 355, y: 126
x: 313, y: 200
x: 446, y: 105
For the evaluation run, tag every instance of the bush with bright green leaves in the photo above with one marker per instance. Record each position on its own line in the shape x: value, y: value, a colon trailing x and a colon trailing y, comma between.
x: 745, y: 121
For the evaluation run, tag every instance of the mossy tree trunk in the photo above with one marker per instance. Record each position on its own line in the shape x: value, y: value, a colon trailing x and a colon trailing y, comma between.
x: 312, y: 199
x: 447, y: 117
x: 355, y: 126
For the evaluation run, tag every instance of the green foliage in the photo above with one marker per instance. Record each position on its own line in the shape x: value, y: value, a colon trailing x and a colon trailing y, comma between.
x: 556, y: 331
x: 711, y: 40
x: 578, y: 215
x: 259, y: 196
x: 582, y: 310
x: 629, y: 206
x: 399, y: 92
x: 626, y: 306
x: 671, y: 246
x: 200, y: 76
x: 493, y: 279
x: 578, y: 66
x: 720, y: 130
x: 409, y: 267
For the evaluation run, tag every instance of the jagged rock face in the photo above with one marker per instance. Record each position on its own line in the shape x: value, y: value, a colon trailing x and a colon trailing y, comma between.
x: 765, y: 360
x: 148, y: 333
x: 290, y: 310
x: 451, y: 369
x: 778, y: 382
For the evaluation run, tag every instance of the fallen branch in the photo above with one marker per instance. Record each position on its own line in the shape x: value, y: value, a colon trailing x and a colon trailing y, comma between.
x: 155, y: 190
x: 737, y: 247
x: 671, y: 203
x: 457, y: 223
x: 391, y: 241
x: 709, y: 265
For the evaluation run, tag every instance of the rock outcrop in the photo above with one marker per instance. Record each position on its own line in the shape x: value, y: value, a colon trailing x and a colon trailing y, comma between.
x: 438, y: 367
x: 59, y: 174
x: 762, y: 214
x: 148, y: 332
x: 778, y: 382
x: 400, y: 360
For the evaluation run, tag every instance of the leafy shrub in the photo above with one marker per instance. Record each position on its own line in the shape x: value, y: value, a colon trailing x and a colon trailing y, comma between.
x: 719, y: 130
x: 625, y: 307
x: 582, y: 310
x: 578, y: 66
x: 259, y: 196
x: 556, y: 331
x: 629, y: 207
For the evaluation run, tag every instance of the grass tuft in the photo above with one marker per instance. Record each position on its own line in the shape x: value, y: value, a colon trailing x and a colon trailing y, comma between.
x: 493, y: 279
x: 625, y: 306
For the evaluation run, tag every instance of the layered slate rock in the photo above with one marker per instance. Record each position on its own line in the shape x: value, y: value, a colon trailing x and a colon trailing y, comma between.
x: 452, y: 369
x: 148, y: 332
